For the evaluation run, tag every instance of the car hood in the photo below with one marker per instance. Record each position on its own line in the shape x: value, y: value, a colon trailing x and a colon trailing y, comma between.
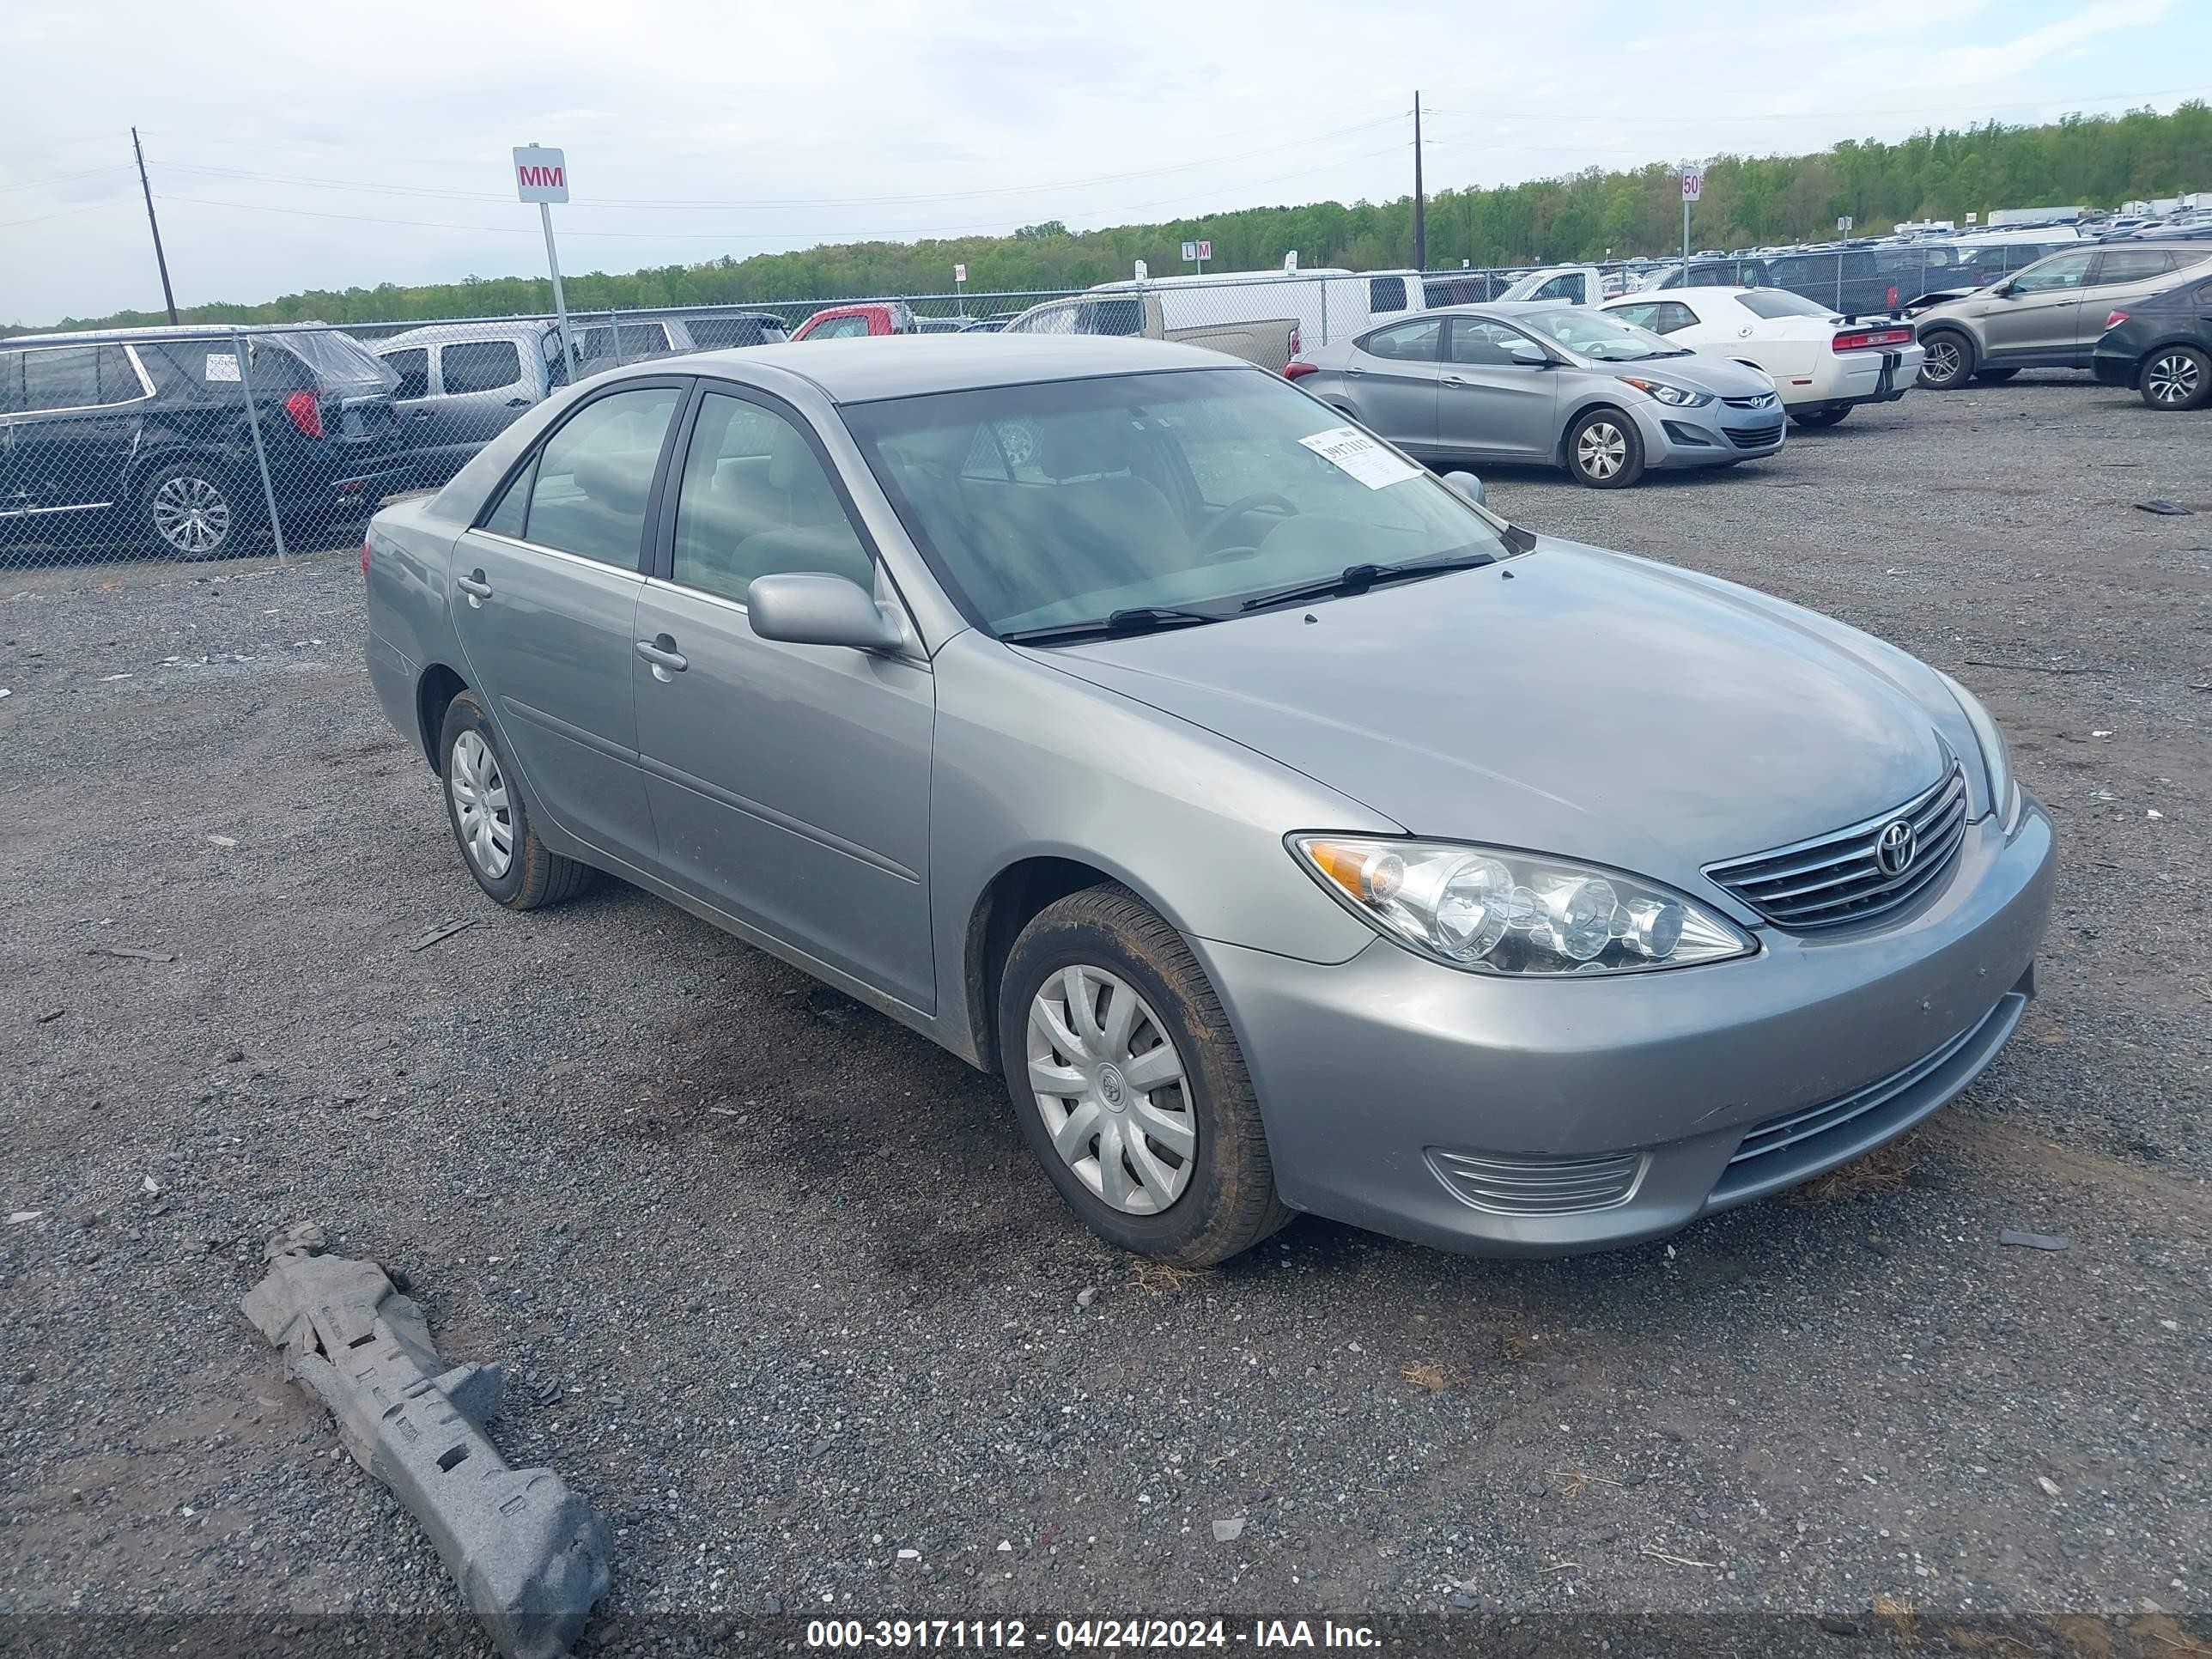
x: 1697, y: 371
x: 1574, y: 700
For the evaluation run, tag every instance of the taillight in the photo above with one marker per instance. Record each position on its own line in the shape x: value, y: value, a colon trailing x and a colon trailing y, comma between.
x: 307, y: 412
x: 2116, y: 319
x: 1294, y: 368
x: 1893, y: 297
x: 1297, y: 344
x: 364, y: 558
x: 1864, y: 339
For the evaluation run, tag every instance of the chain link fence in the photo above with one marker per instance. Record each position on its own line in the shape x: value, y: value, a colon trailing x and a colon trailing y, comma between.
x: 209, y: 441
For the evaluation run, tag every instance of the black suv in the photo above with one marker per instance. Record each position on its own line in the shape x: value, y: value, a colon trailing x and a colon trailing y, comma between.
x: 144, y: 433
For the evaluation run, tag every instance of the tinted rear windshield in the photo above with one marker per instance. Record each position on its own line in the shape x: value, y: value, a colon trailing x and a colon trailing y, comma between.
x: 336, y: 359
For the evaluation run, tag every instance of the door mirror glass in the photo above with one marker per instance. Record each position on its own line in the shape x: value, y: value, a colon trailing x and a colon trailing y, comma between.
x: 809, y: 608
x: 1467, y: 485
x: 1528, y: 353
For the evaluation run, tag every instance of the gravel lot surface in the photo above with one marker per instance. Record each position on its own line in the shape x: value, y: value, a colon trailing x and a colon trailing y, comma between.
x: 790, y: 1303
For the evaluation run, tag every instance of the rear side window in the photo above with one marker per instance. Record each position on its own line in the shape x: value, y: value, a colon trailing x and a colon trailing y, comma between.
x: 1386, y: 293
x: 61, y: 377
x: 1115, y: 316
x: 412, y: 365
x: 1405, y: 342
x: 594, y: 476
x: 722, y: 333
x: 2130, y: 265
x: 638, y: 340
x: 479, y: 366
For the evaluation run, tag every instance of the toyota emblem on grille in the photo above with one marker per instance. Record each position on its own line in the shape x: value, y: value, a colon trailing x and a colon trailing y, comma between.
x: 1893, y: 847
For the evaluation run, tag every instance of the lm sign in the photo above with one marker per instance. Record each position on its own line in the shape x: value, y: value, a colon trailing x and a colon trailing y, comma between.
x: 540, y: 175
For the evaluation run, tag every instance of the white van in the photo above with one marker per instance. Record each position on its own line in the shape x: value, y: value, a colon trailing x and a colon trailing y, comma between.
x: 1265, y: 317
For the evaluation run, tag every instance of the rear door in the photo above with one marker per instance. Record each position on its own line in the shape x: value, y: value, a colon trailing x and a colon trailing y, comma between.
x: 1394, y: 376
x: 1490, y: 405
x: 545, y: 593
x: 2040, y: 314
x: 789, y: 783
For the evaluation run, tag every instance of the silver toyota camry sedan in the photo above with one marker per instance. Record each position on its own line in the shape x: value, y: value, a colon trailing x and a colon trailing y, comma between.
x: 1291, y: 831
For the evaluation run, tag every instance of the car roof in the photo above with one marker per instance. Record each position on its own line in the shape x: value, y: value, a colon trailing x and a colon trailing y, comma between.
x: 433, y: 333
x: 169, y: 332
x: 855, y: 371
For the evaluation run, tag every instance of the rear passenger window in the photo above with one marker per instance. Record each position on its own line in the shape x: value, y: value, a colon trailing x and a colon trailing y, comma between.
x: 413, y: 368
x: 755, y: 502
x: 2130, y: 265
x: 61, y: 377
x: 1407, y: 343
x: 594, y: 476
x: 479, y: 366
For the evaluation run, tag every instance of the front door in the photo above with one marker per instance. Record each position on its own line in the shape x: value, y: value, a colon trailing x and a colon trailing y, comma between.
x: 790, y: 783
x: 1393, y: 377
x: 545, y: 593
x: 2040, y: 313
x: 1491, y: 405
x: 75, y: 428
x: 484, y: 385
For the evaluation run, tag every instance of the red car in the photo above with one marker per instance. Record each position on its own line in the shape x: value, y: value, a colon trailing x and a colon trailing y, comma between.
x: 854, y: 321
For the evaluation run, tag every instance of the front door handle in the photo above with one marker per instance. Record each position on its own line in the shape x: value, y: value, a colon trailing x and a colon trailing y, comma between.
x: 475, y: 586
x: 418, y: 414
x: 1353, y: 368
x: 518, y: 402
x: 667, y: 661
x: 1454, y: 380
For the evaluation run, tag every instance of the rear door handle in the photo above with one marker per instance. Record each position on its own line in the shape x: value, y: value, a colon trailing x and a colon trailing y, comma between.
x: 667, y: 661
x: 1454, y: 380
x: 475, y: 586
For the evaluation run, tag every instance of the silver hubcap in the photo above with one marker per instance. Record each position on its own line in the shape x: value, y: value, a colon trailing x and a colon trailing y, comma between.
x: 2172, y: 379
x: 190, y: 514
x: 1110, y: 1085
x: 1603, y: 449
x: 1943, y: 360
x: 480, y: 806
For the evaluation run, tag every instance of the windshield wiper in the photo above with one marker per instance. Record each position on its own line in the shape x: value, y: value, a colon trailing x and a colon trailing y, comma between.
x: 1136, y: 619
x: 1358, y: 578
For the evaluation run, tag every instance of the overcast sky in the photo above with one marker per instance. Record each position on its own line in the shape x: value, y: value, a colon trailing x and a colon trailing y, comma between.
x: 297, y: 146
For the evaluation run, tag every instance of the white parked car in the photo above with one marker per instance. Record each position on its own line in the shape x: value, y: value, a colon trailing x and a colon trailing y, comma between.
x: 1822, y: 365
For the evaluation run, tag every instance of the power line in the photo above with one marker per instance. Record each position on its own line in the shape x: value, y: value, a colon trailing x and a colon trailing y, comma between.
x: 66, y: 213
x: 63, y: 177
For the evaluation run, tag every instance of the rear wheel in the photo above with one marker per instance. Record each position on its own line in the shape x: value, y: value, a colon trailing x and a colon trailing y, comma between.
x: 192, y: 509
x: 2177, y: 377
x: 489, y: 821
x: 1950, y: 359
x: 1129, y: 1085
x: 1605, y: 450
x: 1828, y: 414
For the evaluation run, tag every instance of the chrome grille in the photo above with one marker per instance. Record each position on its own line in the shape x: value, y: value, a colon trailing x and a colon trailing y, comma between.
x: 1838, y: 879
x: 1537, y: 1186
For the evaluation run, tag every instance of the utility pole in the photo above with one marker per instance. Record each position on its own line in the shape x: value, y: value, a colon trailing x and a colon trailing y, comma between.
x: 160, y: 260
x: 1420, y: 206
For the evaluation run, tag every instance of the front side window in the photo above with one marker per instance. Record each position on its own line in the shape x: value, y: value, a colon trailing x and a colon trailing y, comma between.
x: 756, y: 500
x: 1568, y: 286
x: 1481, y: 343
x: 2064, y: 272
x: 479, y: 366
x: 1407, y: 343
x: 594, y: 477
x: 412, y: 365
x: 1061, y: 502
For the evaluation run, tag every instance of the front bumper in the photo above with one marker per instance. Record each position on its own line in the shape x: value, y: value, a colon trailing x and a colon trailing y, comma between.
x: 1713, y: 435
x: 1397, y: 1093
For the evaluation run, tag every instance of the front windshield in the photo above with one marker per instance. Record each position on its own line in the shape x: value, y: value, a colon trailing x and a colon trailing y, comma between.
x: 1065, y: 501
x: 1597, y: 336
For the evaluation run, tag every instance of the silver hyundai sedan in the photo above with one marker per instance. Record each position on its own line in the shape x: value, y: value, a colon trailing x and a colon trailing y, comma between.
x: 1547, y: 384
x: 1291, y: 831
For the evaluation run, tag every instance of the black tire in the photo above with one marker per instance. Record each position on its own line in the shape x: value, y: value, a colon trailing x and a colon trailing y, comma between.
x: 534, y: 875
x: 1950, y: 360
x: 1228, y: 1203
x: 194, y: 508
x: 1827, y: 414
x: 1993, y: 376
x: 1630, y: 466
x: 2175, y: 378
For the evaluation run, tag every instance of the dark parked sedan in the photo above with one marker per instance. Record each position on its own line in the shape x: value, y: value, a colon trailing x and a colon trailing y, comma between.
x: 2162, y: 347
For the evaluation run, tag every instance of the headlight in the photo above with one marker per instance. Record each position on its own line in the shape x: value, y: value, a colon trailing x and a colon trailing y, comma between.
x: 1494, y: 912
x: 1674, y: 397
x: 1997, y: 759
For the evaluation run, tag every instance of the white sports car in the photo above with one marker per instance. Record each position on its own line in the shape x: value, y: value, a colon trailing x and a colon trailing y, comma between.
x: 1822, y: 365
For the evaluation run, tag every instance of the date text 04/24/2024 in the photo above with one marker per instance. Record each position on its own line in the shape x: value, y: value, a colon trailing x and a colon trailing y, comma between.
x: 1084, y: 1634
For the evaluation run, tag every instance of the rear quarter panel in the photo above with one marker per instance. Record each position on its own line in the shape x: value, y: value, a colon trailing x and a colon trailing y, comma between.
x: 410, y: 586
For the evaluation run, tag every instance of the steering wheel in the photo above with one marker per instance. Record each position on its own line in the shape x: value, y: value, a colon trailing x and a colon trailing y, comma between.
x: 1237, y: 508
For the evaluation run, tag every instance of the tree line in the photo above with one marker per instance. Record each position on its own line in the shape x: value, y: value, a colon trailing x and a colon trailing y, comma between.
x: 2096, y: 160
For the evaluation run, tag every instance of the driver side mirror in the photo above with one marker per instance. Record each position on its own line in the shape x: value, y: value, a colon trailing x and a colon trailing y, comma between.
x: 1467, y: 485
x: 1530, y: 354
x: 812, y: 608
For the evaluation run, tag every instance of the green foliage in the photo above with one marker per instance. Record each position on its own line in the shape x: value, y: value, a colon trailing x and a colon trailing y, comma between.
x: 2096, y: 160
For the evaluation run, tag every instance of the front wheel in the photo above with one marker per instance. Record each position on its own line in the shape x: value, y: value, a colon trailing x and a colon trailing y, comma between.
x: 1949, y: 362
x: 490, y: 823
x: 1830, y: 416
x: 192, y: 509
x: 2178, y: 377
x: 1605, y: 450
x: 1129, y: 1085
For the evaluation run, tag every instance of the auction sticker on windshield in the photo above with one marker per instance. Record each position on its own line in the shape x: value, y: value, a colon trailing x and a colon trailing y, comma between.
x: 1355, y: 452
